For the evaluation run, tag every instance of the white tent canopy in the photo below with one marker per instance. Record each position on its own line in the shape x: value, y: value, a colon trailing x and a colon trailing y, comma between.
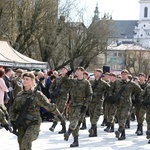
x: 10, y: 57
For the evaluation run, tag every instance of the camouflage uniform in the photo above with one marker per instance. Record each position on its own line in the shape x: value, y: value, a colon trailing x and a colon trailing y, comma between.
x: 60, y: 100
x: 96, y: 105
x: 33, y: 120
x: 140, y: 112
x: 17, y: 85
x: 124, y: 103
x: 145, y: 95
x: 80, y: 97
x: 112, y: 111
x: 3, y: 117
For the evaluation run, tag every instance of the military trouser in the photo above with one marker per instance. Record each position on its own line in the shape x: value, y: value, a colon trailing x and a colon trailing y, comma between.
x: 107, y: 110
x: 123, y: 113
x: 111, y: 113
x: 95, y: 110
x: 61, y: 107
x: 148, y: 117
x: 26, y: 137
x: 74, y: 118
x: 139, y: 112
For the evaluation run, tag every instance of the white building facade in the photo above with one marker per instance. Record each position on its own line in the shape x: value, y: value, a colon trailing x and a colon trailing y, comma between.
x: 142, y: 30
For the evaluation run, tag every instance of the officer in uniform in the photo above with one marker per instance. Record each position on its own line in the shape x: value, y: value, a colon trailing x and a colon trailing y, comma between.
x: 124, y: 102
x: 99, y: 87
x: 80, y: 97
x: 59, y: 90
x: 33, y: 120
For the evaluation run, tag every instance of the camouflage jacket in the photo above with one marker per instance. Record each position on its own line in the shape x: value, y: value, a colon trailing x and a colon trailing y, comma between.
x: 80, y: 92
x: 126, y: 95
x: 100, y: 88
x: 39, y: 100
x: 61, y: 85
x: 17, y: 85
x: 145, y: 94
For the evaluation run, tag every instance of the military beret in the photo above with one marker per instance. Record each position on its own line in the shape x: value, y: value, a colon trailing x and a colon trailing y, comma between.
x: 107, y: 73
x: 124, y: 71
x: 19, y: 71
x: 113, y: 74
x: 80, y: 68
x: 65, y: 68
x: 99, y: 70
x: 141, y: 74
x: 29, y: 74
x: 86, y: 73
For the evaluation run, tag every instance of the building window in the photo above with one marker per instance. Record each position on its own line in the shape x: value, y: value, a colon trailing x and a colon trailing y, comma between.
x: 115, y: 54
x: 120, y: 54
x: 145, y: 12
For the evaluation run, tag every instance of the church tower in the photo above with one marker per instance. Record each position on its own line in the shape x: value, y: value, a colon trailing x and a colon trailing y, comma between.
x: 96, y: 15
x: 142, y: 30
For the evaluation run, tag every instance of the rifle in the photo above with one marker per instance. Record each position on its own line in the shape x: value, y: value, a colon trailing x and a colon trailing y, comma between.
x: 118, y: 96
x: 23, y: 113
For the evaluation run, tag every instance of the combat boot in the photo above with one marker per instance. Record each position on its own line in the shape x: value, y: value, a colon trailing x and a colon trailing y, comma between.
x: 104, y: 123
x: 75, y: 142
x: 63, y: 130
x: 123, y: 136
x: 53, y: 126
x: 83, y: 125
x: 107, y: 129
x: 112, y: 128
x: 67, y: 134
x: 93, y: 131
x: 140, y: 130
x: 148, y: 134
x: 118, y: 132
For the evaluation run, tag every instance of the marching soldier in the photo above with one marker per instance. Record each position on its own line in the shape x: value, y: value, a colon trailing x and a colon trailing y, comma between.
x: 145, y: 98
x: 123, y: 89
x: 111, y: 108
x: 80, y: 97
x: 59, y: 90
x: 32, y: 121
x: 139, y: 110
x: 99, y: 87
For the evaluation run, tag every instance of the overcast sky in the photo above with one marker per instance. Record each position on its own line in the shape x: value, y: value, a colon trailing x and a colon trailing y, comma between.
x: 119, y: 9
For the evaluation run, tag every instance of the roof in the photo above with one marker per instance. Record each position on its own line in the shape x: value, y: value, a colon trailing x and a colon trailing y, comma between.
x: 124, y: 28
x: 126, y: 47
x: 11, y: 57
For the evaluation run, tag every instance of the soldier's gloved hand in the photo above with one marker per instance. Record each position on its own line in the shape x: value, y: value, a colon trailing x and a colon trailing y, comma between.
x: 83, y: 108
